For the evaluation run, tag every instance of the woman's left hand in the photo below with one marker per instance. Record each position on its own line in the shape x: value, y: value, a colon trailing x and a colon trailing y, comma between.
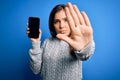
x: 81, y: 30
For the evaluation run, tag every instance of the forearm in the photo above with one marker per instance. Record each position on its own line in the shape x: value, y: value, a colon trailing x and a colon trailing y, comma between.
x: 85, y: 53
x: 35, y: 57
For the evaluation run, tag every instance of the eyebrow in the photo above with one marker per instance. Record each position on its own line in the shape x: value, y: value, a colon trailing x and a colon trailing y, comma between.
x: 62, y: 18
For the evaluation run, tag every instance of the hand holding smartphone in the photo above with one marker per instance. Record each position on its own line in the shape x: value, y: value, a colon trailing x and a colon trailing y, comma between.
x: 33, y: 25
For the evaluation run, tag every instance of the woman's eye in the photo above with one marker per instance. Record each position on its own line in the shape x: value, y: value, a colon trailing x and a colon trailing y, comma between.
x: 56, y: 21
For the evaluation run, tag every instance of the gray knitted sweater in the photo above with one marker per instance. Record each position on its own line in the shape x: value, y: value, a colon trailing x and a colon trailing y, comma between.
x: 55, y: 61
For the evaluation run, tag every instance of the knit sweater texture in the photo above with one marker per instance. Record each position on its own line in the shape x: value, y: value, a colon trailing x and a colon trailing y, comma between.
x: 55, y: 61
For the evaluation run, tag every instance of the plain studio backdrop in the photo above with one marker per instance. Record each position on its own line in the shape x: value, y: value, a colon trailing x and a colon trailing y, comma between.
x: 14, y: 43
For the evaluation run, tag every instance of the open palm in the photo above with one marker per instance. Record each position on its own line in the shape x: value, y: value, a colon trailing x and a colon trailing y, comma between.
x: 81, y: 30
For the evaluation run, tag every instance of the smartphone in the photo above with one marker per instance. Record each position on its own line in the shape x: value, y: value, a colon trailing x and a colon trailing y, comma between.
x: 33, y: 25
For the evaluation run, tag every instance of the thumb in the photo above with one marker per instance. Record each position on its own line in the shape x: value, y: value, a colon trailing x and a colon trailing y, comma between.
x: 65, y: 38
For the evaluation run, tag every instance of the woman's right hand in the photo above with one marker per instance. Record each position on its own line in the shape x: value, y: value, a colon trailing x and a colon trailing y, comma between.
x: 34, y: 39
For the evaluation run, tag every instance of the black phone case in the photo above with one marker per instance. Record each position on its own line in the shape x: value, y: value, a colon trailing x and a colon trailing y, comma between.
x: 33, y: 24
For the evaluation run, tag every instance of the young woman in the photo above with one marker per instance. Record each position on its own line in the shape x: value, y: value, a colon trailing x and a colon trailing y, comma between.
x: 60, y: 57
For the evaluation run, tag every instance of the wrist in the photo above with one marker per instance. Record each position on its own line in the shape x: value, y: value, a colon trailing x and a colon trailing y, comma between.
x: 35, y: 40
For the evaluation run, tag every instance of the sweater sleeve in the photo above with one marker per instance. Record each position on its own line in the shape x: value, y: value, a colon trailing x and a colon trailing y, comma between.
x: 35, y: 57
x: 85, y: 53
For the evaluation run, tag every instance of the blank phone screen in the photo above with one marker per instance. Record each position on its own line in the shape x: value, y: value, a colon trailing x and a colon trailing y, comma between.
x: 33, y: 25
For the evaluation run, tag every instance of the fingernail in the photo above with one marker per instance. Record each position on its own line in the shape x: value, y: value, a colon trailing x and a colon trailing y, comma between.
x: 69, y: 3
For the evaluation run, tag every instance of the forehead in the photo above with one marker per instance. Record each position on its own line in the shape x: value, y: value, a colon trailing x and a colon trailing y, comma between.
x: 60, y: 14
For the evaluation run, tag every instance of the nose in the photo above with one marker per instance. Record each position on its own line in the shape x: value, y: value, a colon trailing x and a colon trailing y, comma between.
x: 62, y: 24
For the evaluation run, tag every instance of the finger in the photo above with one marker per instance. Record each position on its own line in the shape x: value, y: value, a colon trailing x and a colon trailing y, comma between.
x: 81, y: 20
x: 40, y: 30
x: 27, y: 32
x: 40, y: 33
x: 70, y: 19
x: 86, y: 19
x: 73, y: 13
x: 65, y: 38
x: 28, y: 29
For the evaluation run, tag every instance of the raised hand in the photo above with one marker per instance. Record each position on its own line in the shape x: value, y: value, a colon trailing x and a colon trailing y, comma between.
x: 81, y: 30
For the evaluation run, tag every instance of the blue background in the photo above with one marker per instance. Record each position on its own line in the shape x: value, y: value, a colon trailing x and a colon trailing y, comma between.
x: 14, y: 43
